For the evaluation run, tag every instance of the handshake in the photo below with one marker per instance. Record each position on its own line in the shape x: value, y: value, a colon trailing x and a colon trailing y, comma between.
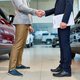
x: 40, y: 13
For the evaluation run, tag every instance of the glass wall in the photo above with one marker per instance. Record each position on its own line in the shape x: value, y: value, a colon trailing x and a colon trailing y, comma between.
x: 44, y: 23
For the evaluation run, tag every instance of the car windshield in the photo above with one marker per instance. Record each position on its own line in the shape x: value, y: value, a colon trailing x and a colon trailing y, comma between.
x: 77, y: 18
x: 3, y: 14
x: 75, y: 29
x: 78, y: 15
x: 45, y: 34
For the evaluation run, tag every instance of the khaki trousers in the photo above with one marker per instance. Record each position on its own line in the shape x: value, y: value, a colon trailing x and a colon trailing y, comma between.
x: 17, y: 49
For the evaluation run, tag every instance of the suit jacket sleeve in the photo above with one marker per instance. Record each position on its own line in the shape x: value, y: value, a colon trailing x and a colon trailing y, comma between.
x: 68, y: 10
x: 22, y: 8
x: 49, y: 12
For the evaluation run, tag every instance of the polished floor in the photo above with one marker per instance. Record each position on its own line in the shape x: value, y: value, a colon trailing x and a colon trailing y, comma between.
x: 41, y: 59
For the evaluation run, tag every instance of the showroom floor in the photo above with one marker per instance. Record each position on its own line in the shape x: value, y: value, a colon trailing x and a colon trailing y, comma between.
x: 41, y: 59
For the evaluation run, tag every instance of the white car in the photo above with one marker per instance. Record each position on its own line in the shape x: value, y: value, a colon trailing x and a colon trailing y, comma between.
x: 38, y: 34
x: 29, y: 40
x: 47, y: 38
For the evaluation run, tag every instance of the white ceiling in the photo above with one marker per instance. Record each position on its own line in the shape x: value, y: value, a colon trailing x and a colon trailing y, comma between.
x: 32, y: 0
x: 4, y: 0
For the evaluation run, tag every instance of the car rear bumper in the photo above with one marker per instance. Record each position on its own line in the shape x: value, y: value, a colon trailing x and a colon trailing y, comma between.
x: 4, y: 49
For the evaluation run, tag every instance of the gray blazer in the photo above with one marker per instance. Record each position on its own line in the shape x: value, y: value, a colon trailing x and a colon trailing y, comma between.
x: 22, y: 11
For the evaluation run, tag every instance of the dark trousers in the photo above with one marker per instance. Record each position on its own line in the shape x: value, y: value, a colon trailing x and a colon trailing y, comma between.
x: 65, y: 50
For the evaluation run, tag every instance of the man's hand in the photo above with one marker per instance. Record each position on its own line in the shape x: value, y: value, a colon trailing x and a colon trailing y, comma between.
x: 63, y: 25
x: 40, y: 13
x: 31, y: 29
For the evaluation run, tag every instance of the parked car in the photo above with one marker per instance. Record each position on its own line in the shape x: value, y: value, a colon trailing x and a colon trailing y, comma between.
x: 48, y: 38
x: 39, y: 34
x: 75, y: 48
x: 75, y: 42
x: 55, y: 42
x: 6, y: 34
x: 75, y: 32
x: 77, y: 18
x: 29, y: 40
x: 75, y: 37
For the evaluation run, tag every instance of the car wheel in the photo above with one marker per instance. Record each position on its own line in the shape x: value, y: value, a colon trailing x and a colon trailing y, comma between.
x: 79, y: 40
x: 48, y: 42
x: 27, y: 45
x: 54, y: 43
x: 73, y: 55
x: 31, y: 44
x: 53, y: 46
x: 9, y: 55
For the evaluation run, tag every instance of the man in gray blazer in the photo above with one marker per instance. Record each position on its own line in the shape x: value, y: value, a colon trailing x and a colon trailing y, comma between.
x: 22, y: 23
